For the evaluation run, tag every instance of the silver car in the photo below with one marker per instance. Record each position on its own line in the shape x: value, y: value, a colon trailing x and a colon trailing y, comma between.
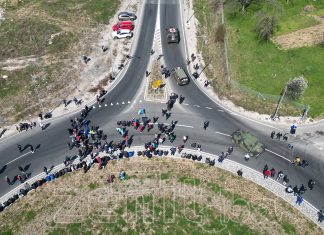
x: 125, y: 15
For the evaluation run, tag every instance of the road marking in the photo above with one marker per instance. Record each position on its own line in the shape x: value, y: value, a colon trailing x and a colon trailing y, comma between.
x: 99, y: 106
x: 220, y: 110
x: 184, y: 125
x: 208, y: 108
x: 134, y: 102
x: 140, y: 101
x: 93, y: 107
x: 185, y: 104
x: 18, y: 158
x: 128, y: 102
x: 111, y: 104
x: 196, y: 105
x: 277, y: 155
x: 117, y: 103
x: 105, y: 105
x: 123, y: 102
x: 222, y: 133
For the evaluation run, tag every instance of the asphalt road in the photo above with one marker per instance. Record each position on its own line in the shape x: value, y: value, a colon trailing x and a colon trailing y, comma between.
x: 53, y: 141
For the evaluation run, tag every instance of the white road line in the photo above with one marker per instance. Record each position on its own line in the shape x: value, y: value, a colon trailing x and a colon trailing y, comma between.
x: 123, y: 102
x: 140, y: 101
x: 93, y: 107
x: 111, y: 104
x: 134, y: 102
x: 222, y: 133
x: 18, y: 158
x: 184, y: 126
x: 105, y: 105
x: 220, y: 110
x: 117, y: 103
x: 128, y: 102
x: 268, y: 150
x: 196, y: 105
x: 208, y: 108
x: 185, y: 104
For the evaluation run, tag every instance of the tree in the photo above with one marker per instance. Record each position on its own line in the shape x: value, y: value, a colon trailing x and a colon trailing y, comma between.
x: 296, y: 87
x: 265, y: 27
x: 245, y: 4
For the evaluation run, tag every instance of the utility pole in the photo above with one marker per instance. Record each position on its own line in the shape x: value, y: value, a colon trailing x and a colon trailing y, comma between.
x: 279, y: 102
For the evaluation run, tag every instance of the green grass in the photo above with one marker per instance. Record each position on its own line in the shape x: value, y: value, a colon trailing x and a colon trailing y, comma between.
x: 30, y: 215
x: 92, y: 186
x: 99, y: 10
x: 254, y: 63
x: 188, y: 180
x: 289, y: 228
x: 25, y: 37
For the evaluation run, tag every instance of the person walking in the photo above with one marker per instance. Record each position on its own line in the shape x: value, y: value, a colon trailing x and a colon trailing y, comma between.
x: 185, y: 138
x: 65, y: 102
x: 7, y: 180
x: 320, y: 216
x: 285, y: 180
x: 19, y: 147
x: 280, y: 175
x: 266, y: 174
x: 272, y: 172
x: 299, y: 200
x: 31, y: 148
x: 311, y: 184
x: 296, y: 190
x: 272, y: 134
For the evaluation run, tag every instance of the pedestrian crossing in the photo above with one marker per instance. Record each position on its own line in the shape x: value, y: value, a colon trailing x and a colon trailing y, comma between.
x: 122, y: 103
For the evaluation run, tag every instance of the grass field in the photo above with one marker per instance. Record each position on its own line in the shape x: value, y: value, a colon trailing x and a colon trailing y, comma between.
x: 159, y: 196
x: 45, y: 38
x: 263, y: 67
x: 259, y: 66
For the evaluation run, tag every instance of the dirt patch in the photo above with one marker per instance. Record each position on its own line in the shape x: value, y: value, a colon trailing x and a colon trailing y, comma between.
x: 156, y: 83
x: 151, y: 183
x: 302, y: 38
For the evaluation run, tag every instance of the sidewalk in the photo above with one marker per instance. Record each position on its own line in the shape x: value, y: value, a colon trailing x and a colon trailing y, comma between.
x: 272, y: 185
x: 307, y: 130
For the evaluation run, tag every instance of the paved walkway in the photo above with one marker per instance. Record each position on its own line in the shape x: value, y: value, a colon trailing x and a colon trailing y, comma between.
x: 257, y: 177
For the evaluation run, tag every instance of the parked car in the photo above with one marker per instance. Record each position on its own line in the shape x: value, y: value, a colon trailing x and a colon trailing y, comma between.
x: 173, y: 35
x: 123, y: 25
x: 126, y: 15
x: 122, y: 33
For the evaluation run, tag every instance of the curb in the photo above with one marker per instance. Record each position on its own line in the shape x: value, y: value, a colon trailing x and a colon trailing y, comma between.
x: 307, y: 209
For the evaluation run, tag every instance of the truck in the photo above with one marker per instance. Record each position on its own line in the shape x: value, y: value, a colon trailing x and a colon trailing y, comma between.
x: 180, y: 76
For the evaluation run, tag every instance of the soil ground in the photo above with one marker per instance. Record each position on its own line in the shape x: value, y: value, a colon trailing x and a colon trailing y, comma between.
x: 158, y: 196
x: 47, y: 39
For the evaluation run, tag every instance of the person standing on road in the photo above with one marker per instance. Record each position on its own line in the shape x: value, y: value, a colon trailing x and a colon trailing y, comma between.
x: 320, y: 216
x: 311, y: 184
x: 8, y: 180
x: 19, y: 147
x: 206, y: 124
x: 296, y: 190
x: 185, y: 138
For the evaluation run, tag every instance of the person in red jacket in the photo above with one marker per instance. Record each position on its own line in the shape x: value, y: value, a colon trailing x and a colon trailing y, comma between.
x: 266, y: 173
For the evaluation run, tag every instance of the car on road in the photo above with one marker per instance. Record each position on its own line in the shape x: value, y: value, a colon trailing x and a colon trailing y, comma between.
x: 123, y: 25
x: 122, y: 33
x: 180, y: 76
x: 173, y: 35
x: 126, y: 15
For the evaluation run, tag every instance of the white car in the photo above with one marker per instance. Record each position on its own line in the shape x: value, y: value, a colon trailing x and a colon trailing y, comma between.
x: 122, y: 33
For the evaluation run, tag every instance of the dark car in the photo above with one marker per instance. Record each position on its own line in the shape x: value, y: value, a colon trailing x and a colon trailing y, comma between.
x: 125, y: 15
x: 173, y: 35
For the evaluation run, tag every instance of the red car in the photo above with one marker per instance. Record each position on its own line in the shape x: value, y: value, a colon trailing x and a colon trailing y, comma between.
x: 123, y: 25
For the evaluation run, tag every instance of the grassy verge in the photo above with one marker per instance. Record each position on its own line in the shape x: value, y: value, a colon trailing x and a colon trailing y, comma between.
x: 161, y: 196
x: 261, y: 67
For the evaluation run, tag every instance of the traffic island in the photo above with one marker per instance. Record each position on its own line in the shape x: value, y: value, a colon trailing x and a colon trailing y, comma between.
x: 155, y: 88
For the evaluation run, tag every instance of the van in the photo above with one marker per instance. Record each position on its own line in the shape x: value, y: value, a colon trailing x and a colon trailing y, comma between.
x: 180, y: 76
x: 123, y: 25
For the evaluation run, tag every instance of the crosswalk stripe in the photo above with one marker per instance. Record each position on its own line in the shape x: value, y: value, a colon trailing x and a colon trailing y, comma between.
x: 123, y: 102
x: 117, y: 103
x: 111, y: 104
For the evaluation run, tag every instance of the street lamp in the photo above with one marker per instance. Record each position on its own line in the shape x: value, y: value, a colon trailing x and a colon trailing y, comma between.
x: 33, y: 78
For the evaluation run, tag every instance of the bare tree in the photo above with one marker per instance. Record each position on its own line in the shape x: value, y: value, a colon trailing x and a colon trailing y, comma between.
x: 296, y: 87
